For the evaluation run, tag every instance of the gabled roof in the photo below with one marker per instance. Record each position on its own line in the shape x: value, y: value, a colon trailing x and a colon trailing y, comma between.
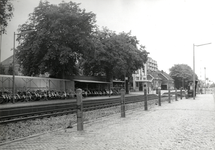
x: 153, y: 75
x: 164, y: 76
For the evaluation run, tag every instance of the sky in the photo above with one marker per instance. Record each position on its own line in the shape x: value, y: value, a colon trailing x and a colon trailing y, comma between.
x: 168, y: 29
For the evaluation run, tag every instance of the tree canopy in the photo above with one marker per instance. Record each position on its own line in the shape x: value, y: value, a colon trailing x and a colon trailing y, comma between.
x: 67, y: 40
x: 115, y: 55
x: 63, y: 34
x: 6, y: 13
x: 181, y: 73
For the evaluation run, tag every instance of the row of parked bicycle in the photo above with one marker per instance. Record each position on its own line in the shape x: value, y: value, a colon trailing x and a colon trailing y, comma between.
x: 6, y: 96
x: 102, y: 92
x: 26, y: 96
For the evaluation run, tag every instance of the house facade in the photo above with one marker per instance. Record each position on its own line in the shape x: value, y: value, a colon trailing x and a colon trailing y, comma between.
x: 167, y: 81
x: 155, y: 80
x: 152, y: 77
x: 139, y: 79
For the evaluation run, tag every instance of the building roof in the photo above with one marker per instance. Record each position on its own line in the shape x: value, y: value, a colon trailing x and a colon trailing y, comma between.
x: 164, y: 76
x: 154, y: 74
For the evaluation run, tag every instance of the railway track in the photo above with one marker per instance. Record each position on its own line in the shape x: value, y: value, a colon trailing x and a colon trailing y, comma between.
x: 15, y: 114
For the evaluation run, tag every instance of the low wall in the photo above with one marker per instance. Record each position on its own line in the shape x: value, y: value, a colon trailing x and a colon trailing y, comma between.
x: 23, y: 83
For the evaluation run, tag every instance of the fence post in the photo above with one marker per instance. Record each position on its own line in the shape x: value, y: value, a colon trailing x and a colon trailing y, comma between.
x: 159, y: 97
x: 79, y: 110
x: 181, y: 93
x: 122, y: 103
x: 176, y: 94
x: 169, y: 95
x: 145, y: 98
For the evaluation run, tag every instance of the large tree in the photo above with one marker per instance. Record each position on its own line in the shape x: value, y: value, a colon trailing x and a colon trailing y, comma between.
x: 115, y: 55
x: 62, y: 35
x: 6, y: 13
x: 182, y: 73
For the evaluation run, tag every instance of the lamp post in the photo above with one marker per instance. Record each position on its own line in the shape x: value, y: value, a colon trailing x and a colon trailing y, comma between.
x: 194, y: 75
x: 14, y: 39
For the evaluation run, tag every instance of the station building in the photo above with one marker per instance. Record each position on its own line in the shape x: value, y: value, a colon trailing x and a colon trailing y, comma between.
x: 152, y: 77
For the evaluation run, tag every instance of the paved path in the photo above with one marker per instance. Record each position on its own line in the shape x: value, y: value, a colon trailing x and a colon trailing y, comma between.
x: 181, y: 125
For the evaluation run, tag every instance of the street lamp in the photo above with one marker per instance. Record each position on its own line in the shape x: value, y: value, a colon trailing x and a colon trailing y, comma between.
x: 194, y: 75
x: 14, y: 35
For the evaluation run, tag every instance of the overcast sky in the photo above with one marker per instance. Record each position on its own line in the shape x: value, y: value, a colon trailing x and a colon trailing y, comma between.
x: 168, y: 28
